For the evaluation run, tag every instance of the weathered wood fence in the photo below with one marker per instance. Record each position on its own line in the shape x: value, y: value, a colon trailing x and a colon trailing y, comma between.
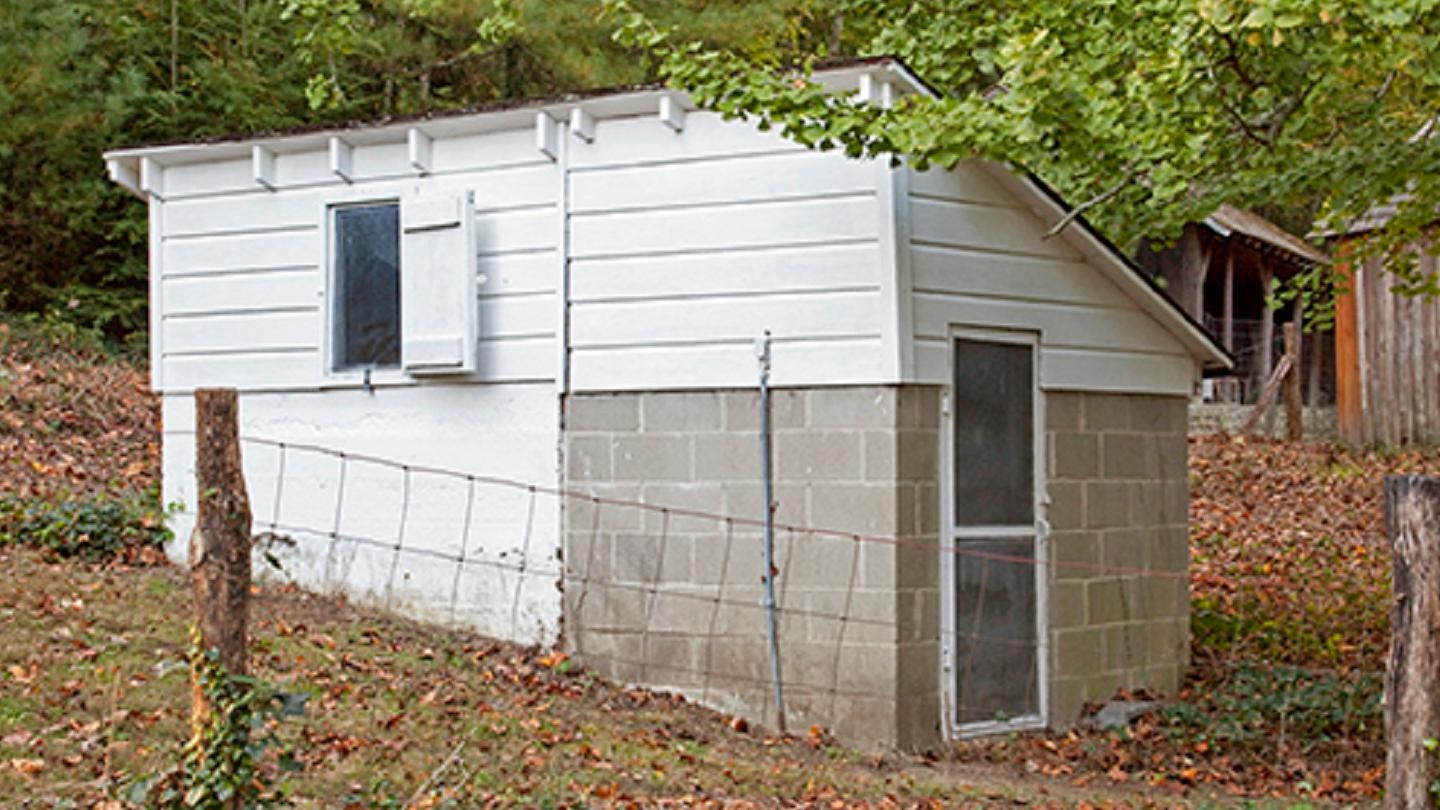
x: 1387, y: 359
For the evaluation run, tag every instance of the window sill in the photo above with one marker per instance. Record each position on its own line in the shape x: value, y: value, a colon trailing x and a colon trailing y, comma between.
x: 391, y: 378
x: 387, y: 378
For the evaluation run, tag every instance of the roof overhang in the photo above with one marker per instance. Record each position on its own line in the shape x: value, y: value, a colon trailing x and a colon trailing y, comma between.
x: 879, y: 78
x: 1264, y: 236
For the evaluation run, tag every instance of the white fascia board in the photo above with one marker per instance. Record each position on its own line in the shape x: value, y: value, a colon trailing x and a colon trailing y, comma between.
x: 1115, y: 266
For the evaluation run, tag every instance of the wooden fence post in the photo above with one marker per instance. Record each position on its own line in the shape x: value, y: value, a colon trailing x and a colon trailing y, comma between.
x: 1412, y: 690
x: 220, y: 543
x: 1294, y: 408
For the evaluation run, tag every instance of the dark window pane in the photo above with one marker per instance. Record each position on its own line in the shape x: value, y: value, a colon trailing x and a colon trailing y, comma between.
x: 994, y: 460
x: 367, y: 281
x: 996, y: 652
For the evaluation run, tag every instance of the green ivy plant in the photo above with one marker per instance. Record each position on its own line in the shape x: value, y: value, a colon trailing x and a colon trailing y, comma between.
x: 1432, y: 747
x: 223, y: 767
x: 96, y: 528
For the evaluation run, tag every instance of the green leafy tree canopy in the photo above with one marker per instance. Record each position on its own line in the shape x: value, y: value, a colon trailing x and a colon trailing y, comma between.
x: 1145, y: 113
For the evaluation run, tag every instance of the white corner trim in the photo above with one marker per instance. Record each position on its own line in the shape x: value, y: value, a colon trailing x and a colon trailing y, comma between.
x: 262, y: 166
x: 342, y: 159
x: 156, y: 276
x: 420, y: 148
x: 547, y: 135
x: 582, y: 125
x: 898, y: 336
x: 562, y: 273
x: 672, y: 114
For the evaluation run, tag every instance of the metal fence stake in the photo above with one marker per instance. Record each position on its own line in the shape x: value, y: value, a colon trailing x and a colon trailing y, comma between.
x: 762, y: 353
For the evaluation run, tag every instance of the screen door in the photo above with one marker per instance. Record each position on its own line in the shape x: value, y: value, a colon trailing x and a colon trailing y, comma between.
x: 993, y: 654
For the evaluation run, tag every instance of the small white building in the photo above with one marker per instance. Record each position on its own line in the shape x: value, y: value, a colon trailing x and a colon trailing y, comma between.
x: 567, y: 294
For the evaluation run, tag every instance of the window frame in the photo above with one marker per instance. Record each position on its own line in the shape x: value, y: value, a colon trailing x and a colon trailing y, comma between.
x: 950, y: 535
x: 355, y: 376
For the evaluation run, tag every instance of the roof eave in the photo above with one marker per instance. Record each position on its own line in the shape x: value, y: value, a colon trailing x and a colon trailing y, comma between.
x: 602, y: 103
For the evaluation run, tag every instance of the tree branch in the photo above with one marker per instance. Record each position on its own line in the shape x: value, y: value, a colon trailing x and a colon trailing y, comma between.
x: 1281, y: 115
x: 1099, y: 199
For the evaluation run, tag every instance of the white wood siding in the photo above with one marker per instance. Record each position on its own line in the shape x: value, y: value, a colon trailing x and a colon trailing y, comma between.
x: 678, y: 249
x: 978, y: 258
x: 242, y: 270
x: 686, y: 246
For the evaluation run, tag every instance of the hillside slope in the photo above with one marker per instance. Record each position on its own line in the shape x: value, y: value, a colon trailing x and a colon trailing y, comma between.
x: 73, y: 418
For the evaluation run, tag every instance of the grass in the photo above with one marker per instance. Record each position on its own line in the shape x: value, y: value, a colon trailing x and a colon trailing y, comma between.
x: 94, y: 694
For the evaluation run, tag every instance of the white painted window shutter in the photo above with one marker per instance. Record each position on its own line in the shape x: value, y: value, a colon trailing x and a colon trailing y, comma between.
x: 437, y: 284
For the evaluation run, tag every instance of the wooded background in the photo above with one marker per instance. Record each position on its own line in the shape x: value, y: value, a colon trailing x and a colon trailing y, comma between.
x: 80, y: 76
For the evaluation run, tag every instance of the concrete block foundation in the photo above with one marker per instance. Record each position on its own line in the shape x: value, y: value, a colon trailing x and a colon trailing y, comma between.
x: 1119, y: 500
x: 670, y: 599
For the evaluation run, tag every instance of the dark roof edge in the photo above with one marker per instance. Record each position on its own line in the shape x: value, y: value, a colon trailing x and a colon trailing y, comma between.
x: 1135, y: 271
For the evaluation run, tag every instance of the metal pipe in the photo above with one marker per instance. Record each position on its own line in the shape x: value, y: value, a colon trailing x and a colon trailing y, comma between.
x: 767, y: 492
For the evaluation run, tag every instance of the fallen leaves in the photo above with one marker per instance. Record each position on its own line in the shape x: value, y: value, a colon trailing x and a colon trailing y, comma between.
x: 28, y: 767
x: 1289, y: 561
x: 75, y: 419
x: 1290, y: 564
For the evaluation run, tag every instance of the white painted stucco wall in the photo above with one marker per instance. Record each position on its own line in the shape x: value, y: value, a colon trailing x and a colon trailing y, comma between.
x: 499, y: 430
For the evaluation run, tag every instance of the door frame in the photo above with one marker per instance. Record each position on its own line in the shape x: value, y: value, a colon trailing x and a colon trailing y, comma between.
x: 950, y: 724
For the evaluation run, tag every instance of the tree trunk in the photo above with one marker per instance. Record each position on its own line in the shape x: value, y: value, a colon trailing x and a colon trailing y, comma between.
x: 1266, y: 358
x: 1231, y: 385
x: 1412, y: 692
x: 1194, y: 267
x: 1294, y: 411
x: 220, y: 543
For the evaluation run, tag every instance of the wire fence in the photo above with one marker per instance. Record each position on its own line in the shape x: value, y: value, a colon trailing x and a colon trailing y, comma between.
x: 671, y: 597
x: 1317, y: 367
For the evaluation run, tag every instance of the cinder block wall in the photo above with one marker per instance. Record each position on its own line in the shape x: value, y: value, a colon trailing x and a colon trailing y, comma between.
x: 674, y: 601
x: 1119, y: 497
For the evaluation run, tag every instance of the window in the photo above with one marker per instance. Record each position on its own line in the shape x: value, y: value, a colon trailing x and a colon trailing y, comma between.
x: 366, y: 284
x: 994, y: 460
